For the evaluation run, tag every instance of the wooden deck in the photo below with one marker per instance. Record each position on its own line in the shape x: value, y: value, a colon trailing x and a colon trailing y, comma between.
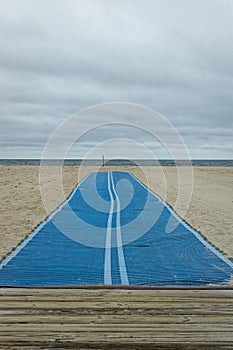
x: 116, y: 319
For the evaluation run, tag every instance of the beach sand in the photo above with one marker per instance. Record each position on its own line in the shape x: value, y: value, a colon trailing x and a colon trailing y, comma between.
x: 210, y: 210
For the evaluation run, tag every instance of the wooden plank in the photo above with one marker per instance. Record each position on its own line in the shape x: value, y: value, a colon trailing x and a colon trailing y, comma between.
x: 80, y: 312
x: 115, y: 328
x: 112, y: 298
x: 117, y: 293
x: 41, y: 304
x: 115, y: 319
x: 123, y: 340
x: 147, y: 312
x: 125, y: 344
x: 92, y: 337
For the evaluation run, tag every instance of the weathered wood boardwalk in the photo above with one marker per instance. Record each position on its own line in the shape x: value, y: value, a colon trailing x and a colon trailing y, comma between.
x: 116, y: 319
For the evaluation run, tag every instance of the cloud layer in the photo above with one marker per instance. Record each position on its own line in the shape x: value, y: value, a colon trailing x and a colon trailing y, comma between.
x: 58, y: 56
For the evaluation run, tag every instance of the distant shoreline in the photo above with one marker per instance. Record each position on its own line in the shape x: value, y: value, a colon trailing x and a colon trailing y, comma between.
x: 118, y: 162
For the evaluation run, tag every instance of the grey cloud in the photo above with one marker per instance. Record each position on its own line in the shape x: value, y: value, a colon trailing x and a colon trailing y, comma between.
x: 175, y: 57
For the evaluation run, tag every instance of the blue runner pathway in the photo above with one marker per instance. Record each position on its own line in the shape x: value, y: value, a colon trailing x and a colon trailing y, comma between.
x: 112, y: 231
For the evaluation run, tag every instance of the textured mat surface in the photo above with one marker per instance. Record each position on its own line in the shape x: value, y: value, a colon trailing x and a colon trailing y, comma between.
x: 113, y: 230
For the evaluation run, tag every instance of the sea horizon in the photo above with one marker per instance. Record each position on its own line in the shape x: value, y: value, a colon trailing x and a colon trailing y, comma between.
x: 117, y: 162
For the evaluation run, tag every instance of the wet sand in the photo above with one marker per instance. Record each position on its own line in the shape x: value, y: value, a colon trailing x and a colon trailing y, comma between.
x: 210, y: 210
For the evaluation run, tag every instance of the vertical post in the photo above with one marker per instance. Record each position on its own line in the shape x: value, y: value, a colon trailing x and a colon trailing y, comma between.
x: 103, y: 160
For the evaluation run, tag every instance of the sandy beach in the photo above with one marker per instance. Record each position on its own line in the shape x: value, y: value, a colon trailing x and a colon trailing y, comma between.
x: 210, y: 210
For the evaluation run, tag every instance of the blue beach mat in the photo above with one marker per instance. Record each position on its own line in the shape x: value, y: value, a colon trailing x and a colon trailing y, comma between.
x: 112, y: 230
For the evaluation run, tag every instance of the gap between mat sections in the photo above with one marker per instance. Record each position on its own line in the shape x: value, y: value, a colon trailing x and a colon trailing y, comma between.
x: 108, y: 249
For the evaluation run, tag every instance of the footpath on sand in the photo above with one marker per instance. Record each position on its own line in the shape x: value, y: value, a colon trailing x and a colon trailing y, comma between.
x: 112, y: 230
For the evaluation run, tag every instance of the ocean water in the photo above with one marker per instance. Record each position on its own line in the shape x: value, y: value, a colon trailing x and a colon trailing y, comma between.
x: 119, y: 162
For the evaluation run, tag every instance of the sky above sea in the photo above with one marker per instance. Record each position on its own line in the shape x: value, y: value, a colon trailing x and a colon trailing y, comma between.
x: 59, y: 57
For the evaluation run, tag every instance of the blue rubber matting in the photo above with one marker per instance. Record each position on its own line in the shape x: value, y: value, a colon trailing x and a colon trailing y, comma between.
x: 112, y: 230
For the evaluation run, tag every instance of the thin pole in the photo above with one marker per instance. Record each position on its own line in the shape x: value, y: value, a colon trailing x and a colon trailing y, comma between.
x: 103, y: 160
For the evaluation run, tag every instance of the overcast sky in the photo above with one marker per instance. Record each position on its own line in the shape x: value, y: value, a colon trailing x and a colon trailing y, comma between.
x: 60, y: 56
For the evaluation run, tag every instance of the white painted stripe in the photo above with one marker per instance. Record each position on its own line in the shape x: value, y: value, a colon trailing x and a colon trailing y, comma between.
x: 195, y: 233
x: 107, y: 263
x: 121, y: 258
x: 35, y: 232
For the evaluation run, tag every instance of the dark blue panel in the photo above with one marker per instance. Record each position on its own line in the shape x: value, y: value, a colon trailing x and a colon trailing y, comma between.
x: 177, y: 258
x: 50, y: 258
